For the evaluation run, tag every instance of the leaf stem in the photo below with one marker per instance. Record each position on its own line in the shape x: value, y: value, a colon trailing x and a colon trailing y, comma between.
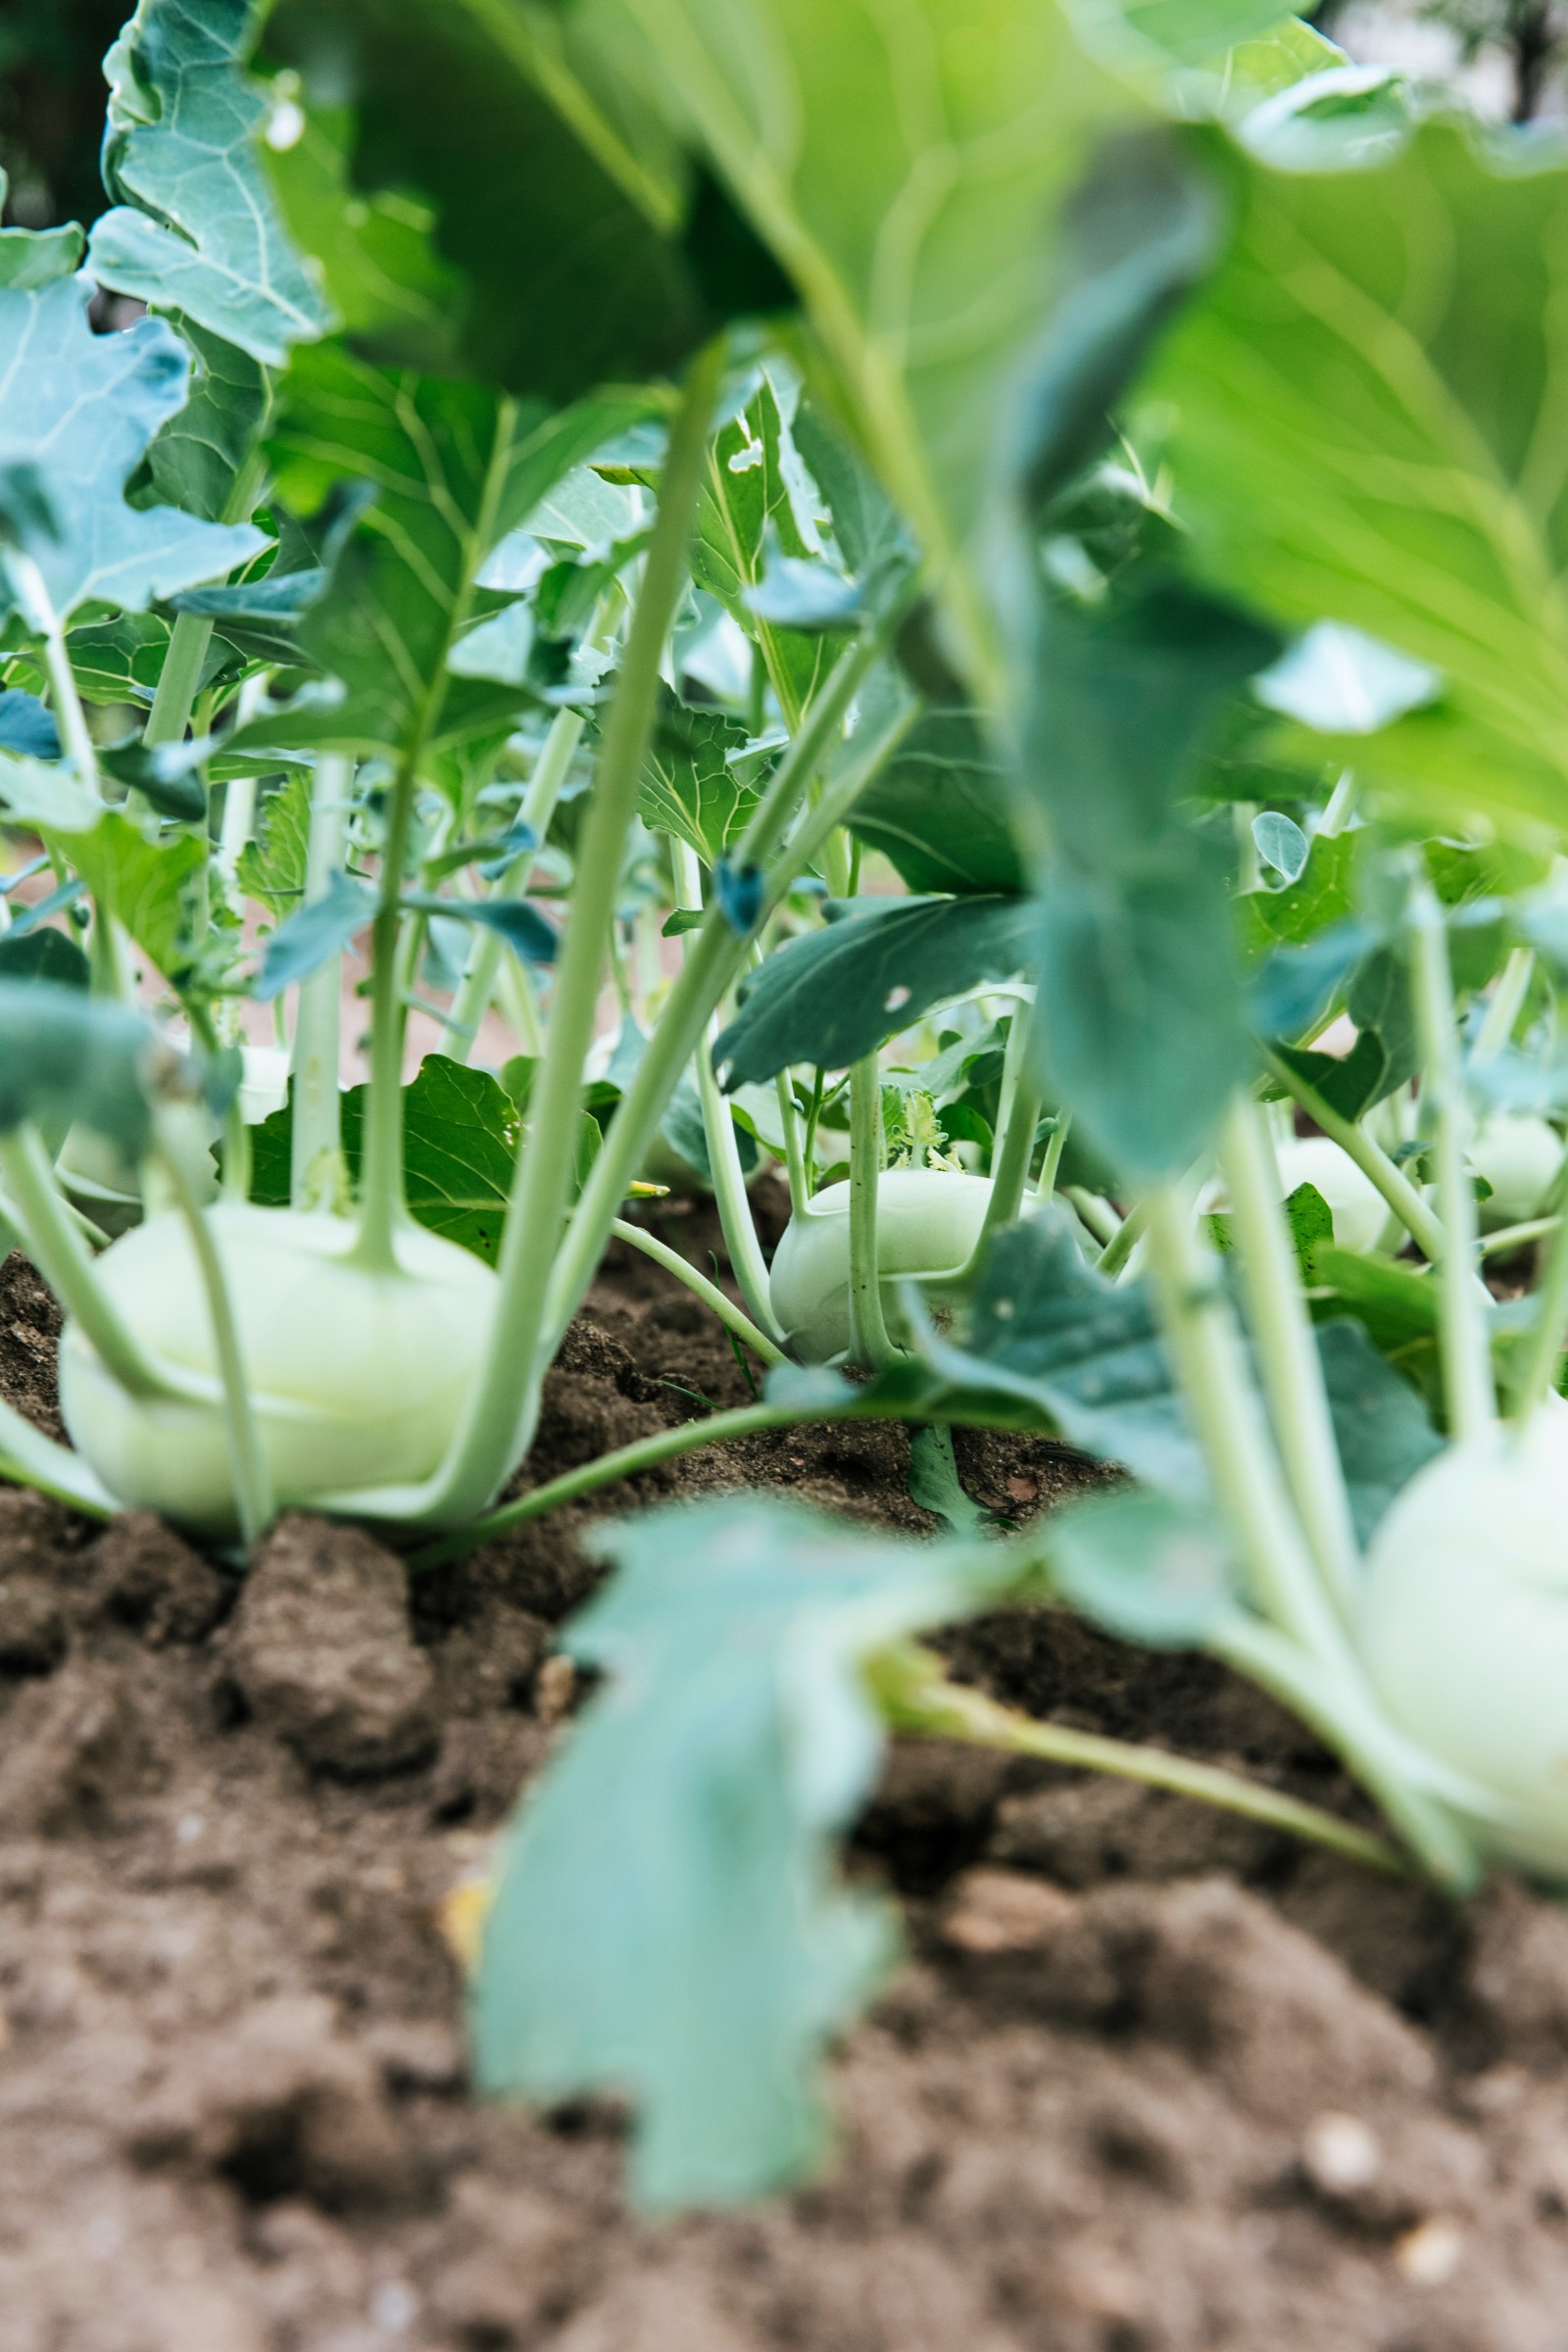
x: 1287, y: 1352
x: 1397, y: 1190
x: 1462, y: 1330
x: 914, y: 1693
x: 870, y: 1344
x: 487, y: 948
x: 1009, y: 1164
x: 28, y: 1459
x: 254, y: 1502
x: 315, y: 1096
x: 729, y: 1314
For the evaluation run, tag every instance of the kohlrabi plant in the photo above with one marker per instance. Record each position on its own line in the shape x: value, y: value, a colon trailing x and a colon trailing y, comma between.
x: 982, y: 586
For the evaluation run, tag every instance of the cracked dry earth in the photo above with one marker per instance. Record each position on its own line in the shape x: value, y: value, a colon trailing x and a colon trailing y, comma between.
x: 1152, y: 2079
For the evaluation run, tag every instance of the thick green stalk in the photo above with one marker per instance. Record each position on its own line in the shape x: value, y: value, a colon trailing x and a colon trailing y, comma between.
x: 1465, y: 1347
x: 1045, y: 1189
x: 62, y: 1257
x: 1097, y: 1215
x: 1017, y: 1123
x: 1508, y: 997
x: 870, y: 1344
x: 1397, y: 1190
x: 729, y: 1314
x: 316, y: 1099
x: 253, y: 1484
x: 485, y: 954
x: 1287, y: 1352
x: 794, y: 1148
x: 1538, y: 1371
x: 497, y: 1422
x: 179, y: 680
x: 1117, y: 1254
x: 913, y: 1694
x: 645, y: 1454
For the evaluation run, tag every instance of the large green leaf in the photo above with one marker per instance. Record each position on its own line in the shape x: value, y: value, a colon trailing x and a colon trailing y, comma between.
x: 691, y: 785
x: 194, y: 226
x: 667, y: 1921
x: 78, y: 409
x: 193, y: 461
x: 745, y: 513
x: 459, y: 1151
x: 148, y: 886
x: 1382, y: 1426
x: 1362, y: 414
x: 64, y: 1055
x: 939, y: 809
x: 835, y: 995
x: 32, y: 257
x: 1145, y: 1034
x: 452, y: 466
x: 565, y: 255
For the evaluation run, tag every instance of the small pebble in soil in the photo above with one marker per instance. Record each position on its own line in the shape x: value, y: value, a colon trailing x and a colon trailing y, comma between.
x: 1002, y: 1911
x: 1430, y: 2254
x: 1340, y: 2155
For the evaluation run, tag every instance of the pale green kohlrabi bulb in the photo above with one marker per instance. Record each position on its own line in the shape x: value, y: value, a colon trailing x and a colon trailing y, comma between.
x: 1359, y: 1208
x: 1519, y: 1157
x: 1464, y: 1625
x: 927, y: 1223
x: 358, y: 1378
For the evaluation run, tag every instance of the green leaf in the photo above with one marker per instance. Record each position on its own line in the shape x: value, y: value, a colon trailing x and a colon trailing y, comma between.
x: 43, y: 954
x: 1382, y: 1426
x: 122, y: 660
x: 166, y: 774
x: 193, y: 460
x: 1085, y: 1354
x: 1361, y: 431
x: 746, y: 517
x: 835, y: 995
x: 1281, y: 843
x: 64, y: 1055
x: 572, y: 258
x: 667, y: 1921
x: 45, y: 793
x: 1146, y: 1037
x: 303, y: 943
x: 690, y: 785
x: 28, y: 725
x: 30, y: 257
x: 461, y: 1135
x: 453, y: 468
x: 905, y: 172
x: 194, y: 226
x: 939, y: 809
x: 80, y: 410
x: 271, y: 865
x: 1144, y: 1567
x: 149, y: 886
x: 1320, y: 895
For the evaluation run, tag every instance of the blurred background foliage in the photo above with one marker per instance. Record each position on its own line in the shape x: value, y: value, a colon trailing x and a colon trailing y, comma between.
x: 1510, y: 58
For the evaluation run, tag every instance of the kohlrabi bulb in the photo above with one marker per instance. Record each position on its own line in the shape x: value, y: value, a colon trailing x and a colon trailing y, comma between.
x: 1464, y: 1625
x: 1519, y: 1157
x: 264, y: 1086
x: 1359, y: 1208
x: 358, y: 1378
x: 927, y: 1223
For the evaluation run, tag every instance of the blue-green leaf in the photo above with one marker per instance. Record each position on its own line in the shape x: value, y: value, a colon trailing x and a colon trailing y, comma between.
x: 303, y: 943
x: 67, y: 1055
x: 667, y: 1921
x: 195, y: 226
x: 81, y: 409
x: 1146, y: 1568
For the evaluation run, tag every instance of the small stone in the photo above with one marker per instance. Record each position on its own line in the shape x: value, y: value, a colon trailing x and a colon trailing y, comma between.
x: 321, y: 1652
x: 1002, y: 1911
x: 555, y: 1688
x: 1340, y: 2155
x: 1430, y: 2254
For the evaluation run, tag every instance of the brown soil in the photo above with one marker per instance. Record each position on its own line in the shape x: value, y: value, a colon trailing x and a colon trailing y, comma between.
x: 1152, y: 2079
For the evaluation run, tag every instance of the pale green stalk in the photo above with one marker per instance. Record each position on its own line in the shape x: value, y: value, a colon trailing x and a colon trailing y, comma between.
x: 1342, y: 804
x: 870, y: 1344
x: 794, y: 1148
x: 1397, y: 1190
x: 488, y: 948
x: 254, y: 1502
x: 1517, y: 1237
x: 1507, y: 1000
x: 28, y: 1459
x: 1464, y: 1343
x: 1118, y: 1250
x: 1045, y: 1189
x: 1018, y: 1120
x: 1097, y: 1215
x: 913, y: 1694
x: 727, y: 1176
x: 179, y: 680
x: 1287, y: 1352
x: 1538, y: 1371
x: 497, y: 1424
x: 729, y: 1314
x: 38, y: 613
x: 315, y: 1094
x: 1211, y: 1363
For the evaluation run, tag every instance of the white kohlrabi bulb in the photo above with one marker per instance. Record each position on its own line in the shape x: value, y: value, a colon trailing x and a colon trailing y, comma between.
x: 1464, y: 1625
x: 1519, y: 1157
x: 264, y: 1085
x: 358, y: 1378
x: 927, y: 1223
x: 1359, y: 1208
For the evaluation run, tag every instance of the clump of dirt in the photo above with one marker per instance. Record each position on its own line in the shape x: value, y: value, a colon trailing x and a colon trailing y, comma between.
x: 1152, y: 2079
